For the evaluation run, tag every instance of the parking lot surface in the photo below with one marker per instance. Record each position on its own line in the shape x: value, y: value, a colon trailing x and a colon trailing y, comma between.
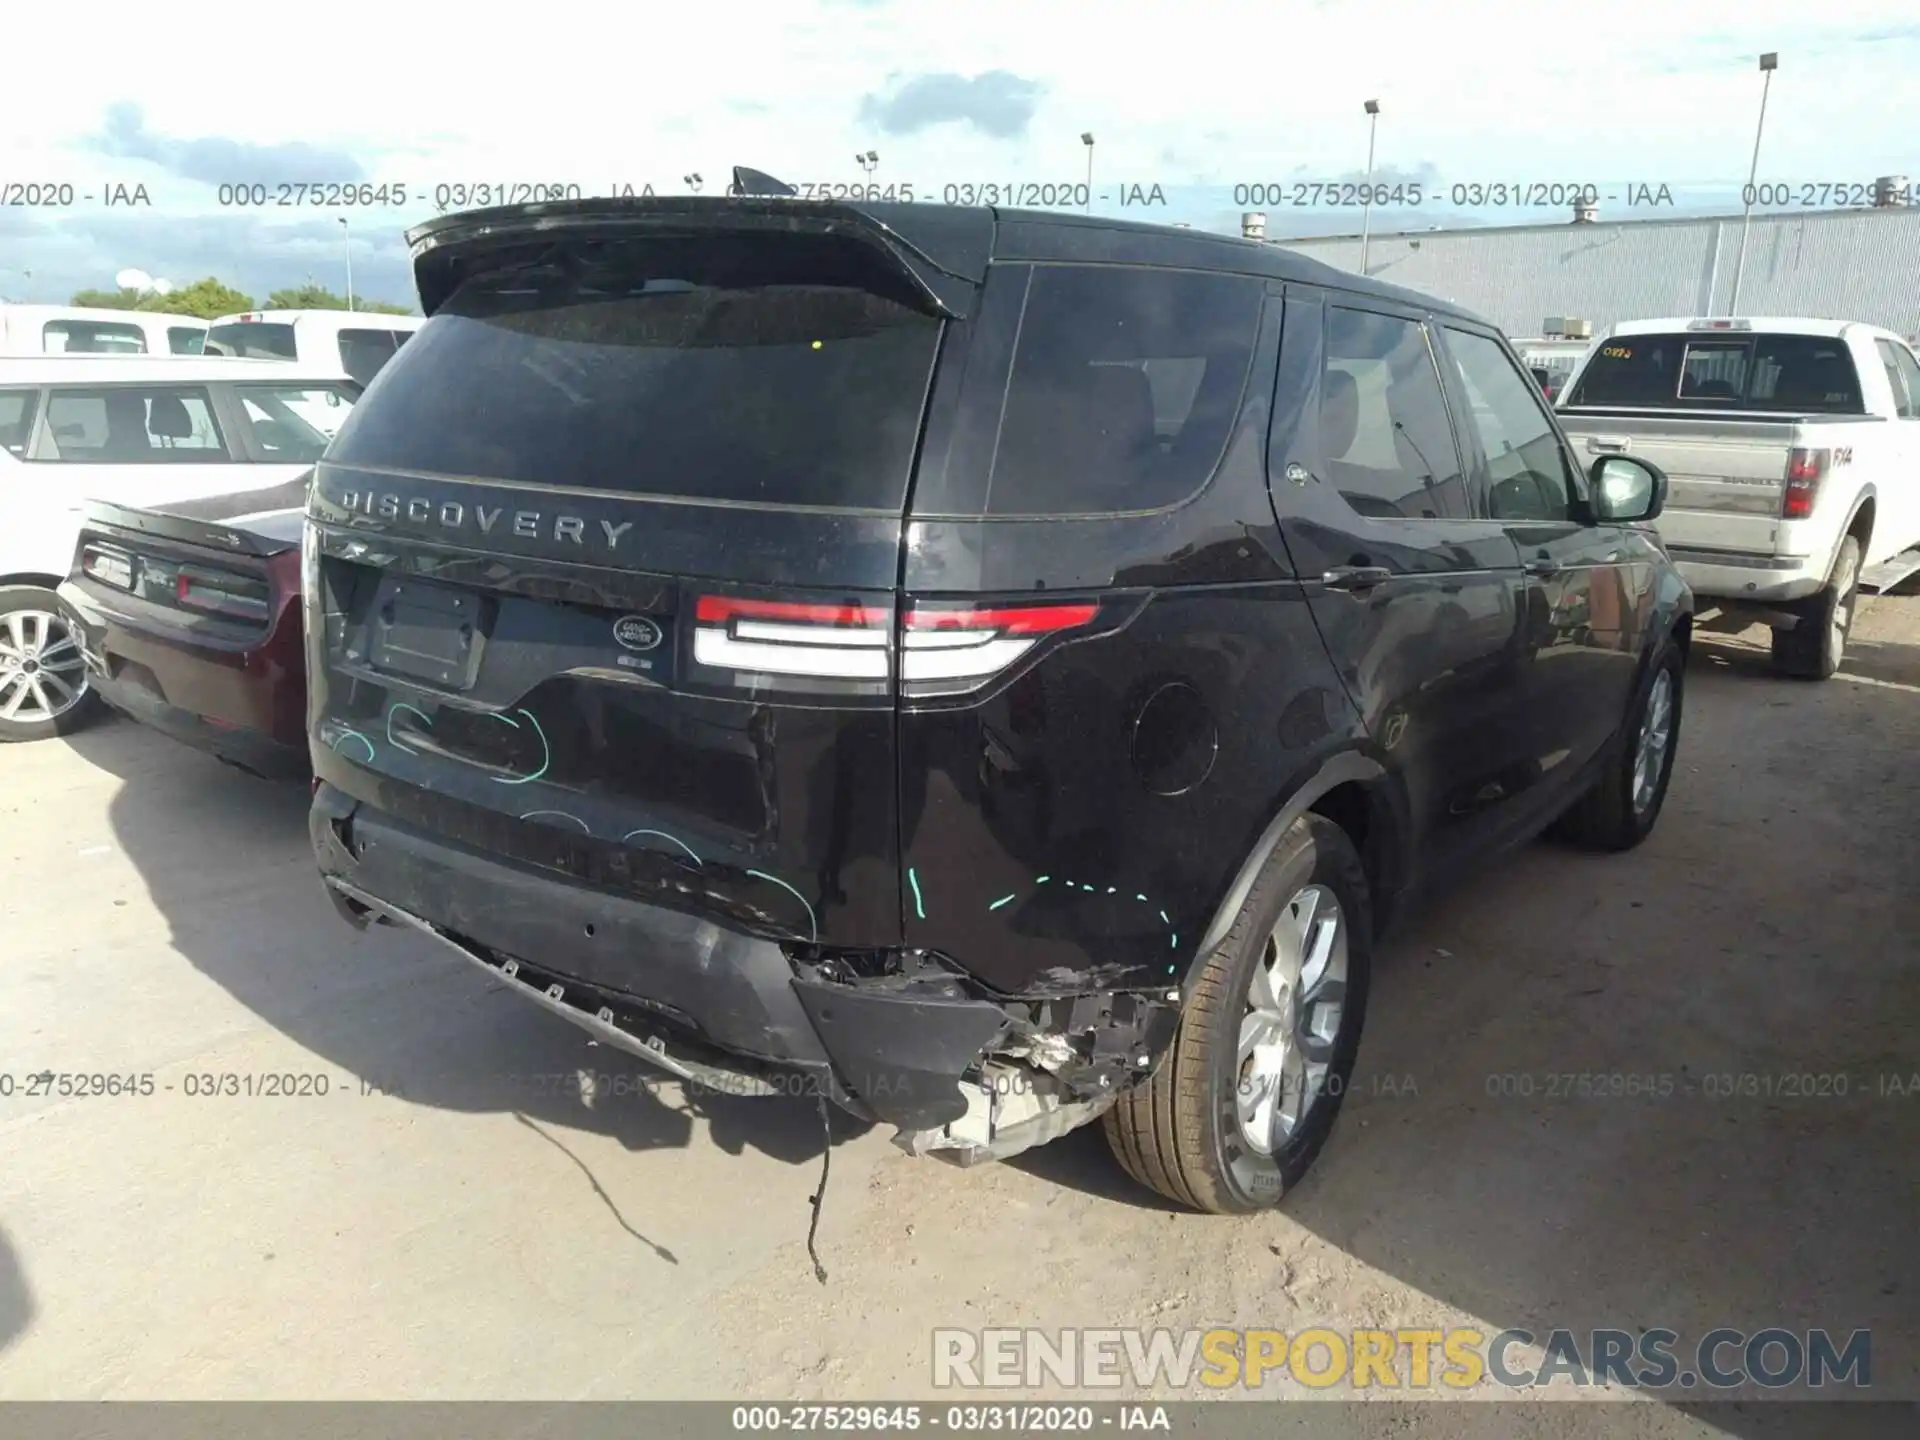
x: 483, y: 1205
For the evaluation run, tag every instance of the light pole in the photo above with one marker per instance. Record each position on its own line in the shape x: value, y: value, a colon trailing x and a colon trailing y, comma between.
x: 346, y: 239
x: 1769, y: 63
x: 1366, y: 214
x: 868, y: 161
x: 1086, y: 139
x: 692, y: 181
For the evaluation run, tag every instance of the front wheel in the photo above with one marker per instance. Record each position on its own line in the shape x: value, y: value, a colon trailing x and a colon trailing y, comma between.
x: 1246, y: 1097
x: 1621, y: 808
x: 43, y: 682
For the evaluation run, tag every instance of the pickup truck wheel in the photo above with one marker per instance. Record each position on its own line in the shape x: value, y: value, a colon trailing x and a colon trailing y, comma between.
x: 43, y: 684
x: 1249, y: 1090
x: 1813, y: 649
x: 1621, y: 808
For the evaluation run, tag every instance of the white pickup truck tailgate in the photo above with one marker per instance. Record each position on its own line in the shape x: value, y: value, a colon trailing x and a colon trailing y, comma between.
x: 1728, y: 474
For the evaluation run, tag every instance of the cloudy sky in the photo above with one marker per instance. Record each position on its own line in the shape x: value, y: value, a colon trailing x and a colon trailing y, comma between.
x: 1211, y: 97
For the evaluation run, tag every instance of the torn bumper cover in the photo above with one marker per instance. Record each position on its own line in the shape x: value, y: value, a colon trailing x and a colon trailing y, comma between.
x: 712, y: 1005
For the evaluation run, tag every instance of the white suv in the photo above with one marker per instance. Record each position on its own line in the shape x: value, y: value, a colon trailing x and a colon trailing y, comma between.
x: 357, y: 342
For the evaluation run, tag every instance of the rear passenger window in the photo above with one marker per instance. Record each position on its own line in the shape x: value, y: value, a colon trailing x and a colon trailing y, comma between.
x: 132, y: 425
x: 363, y: 352
x: 186, y: 339
x: 1385, y: 439
x: 1910, y: 372
x: 1124, y: 388
x: 16, y: 419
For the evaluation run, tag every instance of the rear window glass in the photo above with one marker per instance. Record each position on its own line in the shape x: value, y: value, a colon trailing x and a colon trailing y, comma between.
x: 257, y: 341
x: 1124, y: 388
x: 777, y: 370
x: 185, y: 339
x: 93, y: 337
x: 1793, y: 374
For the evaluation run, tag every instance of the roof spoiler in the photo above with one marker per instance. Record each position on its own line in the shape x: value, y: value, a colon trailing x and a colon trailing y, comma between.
x: 758, y: 182
x: 202, y: 522
x: 942, y: 251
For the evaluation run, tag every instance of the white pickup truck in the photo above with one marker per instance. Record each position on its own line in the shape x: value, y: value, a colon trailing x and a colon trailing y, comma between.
x: 1792, y: 448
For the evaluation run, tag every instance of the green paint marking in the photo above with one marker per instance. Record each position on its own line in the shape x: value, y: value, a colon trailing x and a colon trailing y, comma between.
x: 1163, y: 918
x: 919, y: 905
x: 1003, y: 900
x: 1043, y: 880
x: 1143, y: 899
x: 1173, y: 943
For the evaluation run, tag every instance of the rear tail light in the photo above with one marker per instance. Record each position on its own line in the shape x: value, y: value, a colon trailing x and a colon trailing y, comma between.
x: 1805, y: 470
x: 222, y: 592
x: 109, y: 567
x: 941, y: 648
x: 786, y: 637
x: 975, y: 643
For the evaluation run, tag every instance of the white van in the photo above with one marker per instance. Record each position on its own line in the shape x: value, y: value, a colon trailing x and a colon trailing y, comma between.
x: 134, y: 431
x: 76, y: 329
x: 357, y: 342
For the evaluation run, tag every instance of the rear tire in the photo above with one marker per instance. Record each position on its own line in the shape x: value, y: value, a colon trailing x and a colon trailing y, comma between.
x: 1813, y: 649
x: 43, y: 684
x: 1186, y: 1130
x: 1624, y: 803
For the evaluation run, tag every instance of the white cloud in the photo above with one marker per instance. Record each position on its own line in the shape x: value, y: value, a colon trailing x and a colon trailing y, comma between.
x: 1206, y: 91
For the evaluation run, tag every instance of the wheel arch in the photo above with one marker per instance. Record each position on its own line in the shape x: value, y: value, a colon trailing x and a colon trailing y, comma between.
x: 43, y: 582
x: 1860, y: 523
x: 1356, y: 792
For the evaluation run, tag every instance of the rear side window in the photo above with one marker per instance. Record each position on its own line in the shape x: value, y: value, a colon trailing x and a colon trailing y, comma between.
x: 1385, y: 438
x: 186, y: 339
x: 363, y: 352
x: 93, y: 337
x: 1910, y: 372
x: 1124, y: 388
x: 257, y: 341
x: 17, y: 409
x: 132, y: 425
x: 1791, y: 374
x: 779, y: 370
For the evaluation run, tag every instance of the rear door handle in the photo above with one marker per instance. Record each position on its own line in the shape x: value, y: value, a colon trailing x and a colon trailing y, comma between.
x: 1356, y: 577
x: 1541, y: 567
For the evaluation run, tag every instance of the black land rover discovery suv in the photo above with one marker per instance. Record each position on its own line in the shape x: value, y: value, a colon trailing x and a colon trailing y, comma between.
x: 998, y: 669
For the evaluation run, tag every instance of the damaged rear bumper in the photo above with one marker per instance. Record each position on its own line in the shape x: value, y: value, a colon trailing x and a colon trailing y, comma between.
x: 712, y: 1005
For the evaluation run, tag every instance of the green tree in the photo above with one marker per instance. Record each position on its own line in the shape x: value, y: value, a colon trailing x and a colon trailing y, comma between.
x: 107, y: 299
x: 318, y: 297
x: 209, y: 299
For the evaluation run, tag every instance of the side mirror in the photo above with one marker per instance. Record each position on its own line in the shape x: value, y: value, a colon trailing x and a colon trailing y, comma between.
x: 1626, y: 488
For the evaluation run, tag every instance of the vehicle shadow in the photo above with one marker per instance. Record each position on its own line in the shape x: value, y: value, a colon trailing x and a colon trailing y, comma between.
x: 225, y: 858
x: 1677, y: 1087
x: 16, y: 1298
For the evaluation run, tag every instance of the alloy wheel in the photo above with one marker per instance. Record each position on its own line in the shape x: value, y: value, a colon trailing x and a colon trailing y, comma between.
x: 42, y: 676
x: 1656, y: 735
x: 1295, y: 1000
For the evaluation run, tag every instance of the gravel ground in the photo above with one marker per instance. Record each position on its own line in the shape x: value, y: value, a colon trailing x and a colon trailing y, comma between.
x: 455, y: 1218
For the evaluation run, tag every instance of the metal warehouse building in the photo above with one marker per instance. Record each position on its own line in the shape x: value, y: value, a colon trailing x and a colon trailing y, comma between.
x: 1836, y: 264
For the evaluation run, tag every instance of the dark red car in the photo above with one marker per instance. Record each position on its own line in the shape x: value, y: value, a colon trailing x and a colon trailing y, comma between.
x: 188, y: 618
